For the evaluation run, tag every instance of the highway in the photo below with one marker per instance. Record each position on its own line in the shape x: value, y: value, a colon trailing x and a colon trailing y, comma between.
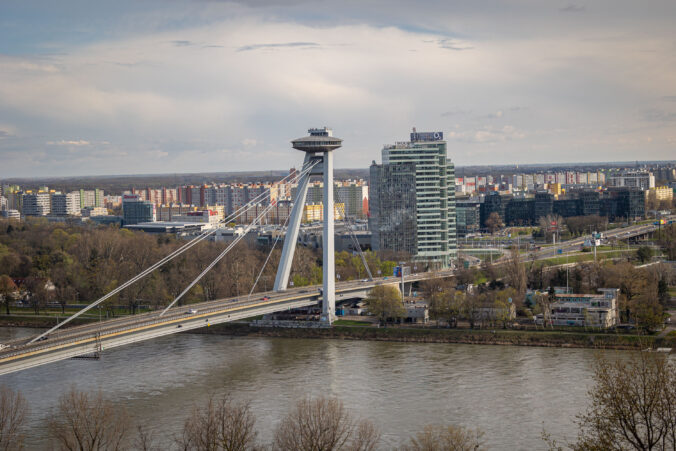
x: 95, y: 337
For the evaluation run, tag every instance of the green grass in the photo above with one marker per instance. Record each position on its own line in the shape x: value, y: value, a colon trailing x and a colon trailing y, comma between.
x: 585, y: 257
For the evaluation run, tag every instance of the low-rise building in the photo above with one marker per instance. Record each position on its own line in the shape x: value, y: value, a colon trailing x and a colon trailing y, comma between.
x: 90, y: 212
x: 10, y: 214
x: 595, y: 310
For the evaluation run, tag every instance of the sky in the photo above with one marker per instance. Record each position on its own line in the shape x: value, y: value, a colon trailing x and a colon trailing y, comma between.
x: 163, y: 86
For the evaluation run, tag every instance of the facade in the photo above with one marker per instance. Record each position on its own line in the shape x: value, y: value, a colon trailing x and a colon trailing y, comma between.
x: 3, y: 202
x: 415, y: 209
x: 91, y: 198
x: 492, y: 204
x: 466, y: 217
x: 353, y: 193
x: 10, y: 214
x: 595, y: 310
x: 36, y: 204
x: 66, y: 204
x: 641, y: 180
x: 90, y: 212
x: 135, y: 210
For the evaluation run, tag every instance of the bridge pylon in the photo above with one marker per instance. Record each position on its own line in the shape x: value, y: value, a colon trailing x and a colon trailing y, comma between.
x: 318, y: 148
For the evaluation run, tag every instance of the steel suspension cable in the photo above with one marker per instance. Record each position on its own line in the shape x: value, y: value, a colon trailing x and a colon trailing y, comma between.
x: 269, y: 255
x: 227, y: 249
x: 164, y: 260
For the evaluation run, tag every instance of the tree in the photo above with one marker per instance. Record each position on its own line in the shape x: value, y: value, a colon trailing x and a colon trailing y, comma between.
x: 221, y: 425
x: 632, y: 406
x: 494, y: 222
x: 516, y: 273
x: 384, y: 301
x: 324, y: 424
x: 445, y: 306
x: 87, y: 422
x: 13, y: 410
x: 7, y: 290
x: 644, y: 254
x: 445, y: 438
x: 647, y: 312
x: 471, y: 307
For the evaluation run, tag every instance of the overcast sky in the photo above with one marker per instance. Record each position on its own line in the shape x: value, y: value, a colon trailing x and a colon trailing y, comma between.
x: 142, y: 86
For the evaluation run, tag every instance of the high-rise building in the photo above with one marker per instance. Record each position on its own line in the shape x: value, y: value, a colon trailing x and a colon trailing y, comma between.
x: 135, y: 210
x: 353, y: 193
x: 66, y: 204
x: 412, y: 201
x: 91, y: 198
x: 35, y: 204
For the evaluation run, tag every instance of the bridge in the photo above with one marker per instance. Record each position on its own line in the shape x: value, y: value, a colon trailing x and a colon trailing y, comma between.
x: 58, y: 343
x: 96, y: 337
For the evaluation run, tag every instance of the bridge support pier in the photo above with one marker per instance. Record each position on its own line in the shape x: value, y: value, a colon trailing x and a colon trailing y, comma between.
x: 319, y: 148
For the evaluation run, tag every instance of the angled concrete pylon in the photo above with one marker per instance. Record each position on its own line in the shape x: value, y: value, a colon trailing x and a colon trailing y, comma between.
x: 319, y: 147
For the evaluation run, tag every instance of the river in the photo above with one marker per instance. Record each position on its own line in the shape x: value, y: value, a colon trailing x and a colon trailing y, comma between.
x: 510, y: 392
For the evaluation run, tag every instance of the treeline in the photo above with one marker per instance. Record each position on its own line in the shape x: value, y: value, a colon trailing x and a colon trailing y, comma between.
x: 87, y: 422
x: 85, y: 262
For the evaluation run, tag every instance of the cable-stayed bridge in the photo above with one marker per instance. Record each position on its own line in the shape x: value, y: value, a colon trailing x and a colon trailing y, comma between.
x: 58, y: 344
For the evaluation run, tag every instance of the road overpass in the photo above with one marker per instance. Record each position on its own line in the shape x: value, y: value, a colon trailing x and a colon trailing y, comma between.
x: 97, y: 337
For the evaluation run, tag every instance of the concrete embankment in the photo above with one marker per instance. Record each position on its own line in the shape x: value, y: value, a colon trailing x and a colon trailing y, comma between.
x: 432, y: 335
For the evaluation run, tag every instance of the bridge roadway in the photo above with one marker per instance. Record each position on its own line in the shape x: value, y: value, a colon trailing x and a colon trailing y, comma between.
x: 90, y: 338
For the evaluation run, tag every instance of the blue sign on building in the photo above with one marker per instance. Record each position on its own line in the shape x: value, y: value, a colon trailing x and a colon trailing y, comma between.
x: 427, y: 136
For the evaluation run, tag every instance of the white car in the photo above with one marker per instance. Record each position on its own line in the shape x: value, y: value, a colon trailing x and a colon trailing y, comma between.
x: 192, y: 311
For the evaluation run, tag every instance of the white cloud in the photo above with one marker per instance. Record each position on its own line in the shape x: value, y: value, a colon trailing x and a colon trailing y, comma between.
x: 178, y: 98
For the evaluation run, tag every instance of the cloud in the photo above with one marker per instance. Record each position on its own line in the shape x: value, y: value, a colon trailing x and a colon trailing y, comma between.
x: 658, y: 115
x: 571, y: 8
x: 249, y: 142
x: 456, y: 113
x: 182, y: 43
x: 76, y: 143
x: 306, y: 45
x: 669, y: 98
x: 452, y: 44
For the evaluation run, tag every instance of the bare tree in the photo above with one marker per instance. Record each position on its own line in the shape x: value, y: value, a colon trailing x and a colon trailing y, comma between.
x: 88, y: 422
x: 494, y: 222
x: 516, y: 273
x: 7, y: 290
x: 13, y: 410
x: 445, y: 438
x: 222, y: 425
x: 323, y: 424
x: 633, y: 406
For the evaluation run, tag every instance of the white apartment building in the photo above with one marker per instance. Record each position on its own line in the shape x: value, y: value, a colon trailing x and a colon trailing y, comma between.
x: 36, y: 204
x: 65, y: 204
x: 642, y: 180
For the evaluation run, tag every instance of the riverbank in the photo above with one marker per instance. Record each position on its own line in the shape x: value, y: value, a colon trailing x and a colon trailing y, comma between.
x: 544, y: 338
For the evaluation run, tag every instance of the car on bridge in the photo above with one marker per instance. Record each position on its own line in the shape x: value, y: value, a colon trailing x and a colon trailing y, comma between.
x: 192, y: 311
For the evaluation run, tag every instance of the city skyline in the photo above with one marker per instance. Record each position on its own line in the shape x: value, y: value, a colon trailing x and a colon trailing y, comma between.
x: 156, y: 86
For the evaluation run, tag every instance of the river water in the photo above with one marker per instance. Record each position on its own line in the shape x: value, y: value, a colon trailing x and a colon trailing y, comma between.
x: 510, y: 392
